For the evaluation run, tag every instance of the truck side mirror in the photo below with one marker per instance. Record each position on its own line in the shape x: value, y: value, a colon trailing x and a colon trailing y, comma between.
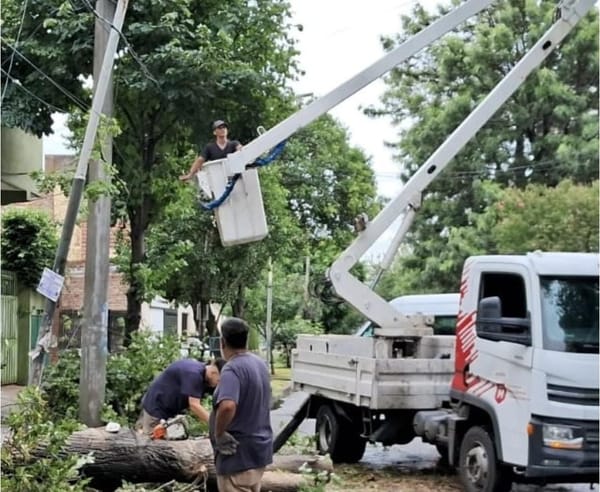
x: 490, y: 308
x: 492, y: 326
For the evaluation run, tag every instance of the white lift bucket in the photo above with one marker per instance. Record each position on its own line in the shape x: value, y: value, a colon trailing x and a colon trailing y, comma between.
x: 241, y: 217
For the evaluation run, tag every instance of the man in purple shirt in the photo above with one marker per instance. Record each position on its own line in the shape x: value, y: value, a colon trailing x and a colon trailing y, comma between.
x: 179, y: 387
x: 240, y: 424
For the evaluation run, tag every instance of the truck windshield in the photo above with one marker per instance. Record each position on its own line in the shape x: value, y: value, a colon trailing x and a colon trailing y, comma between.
x: 570, y: 314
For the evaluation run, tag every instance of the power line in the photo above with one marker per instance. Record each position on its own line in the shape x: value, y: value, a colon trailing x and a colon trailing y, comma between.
x: 130, y: 49
x: 12, y: 56
x: 70, y: 95
x: 22, y: 87
x: 534, y: 165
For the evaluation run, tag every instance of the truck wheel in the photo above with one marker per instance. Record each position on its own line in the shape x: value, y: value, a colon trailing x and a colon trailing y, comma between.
x: 353, y: 445
x: 478, y: 467
x: 337, y: 437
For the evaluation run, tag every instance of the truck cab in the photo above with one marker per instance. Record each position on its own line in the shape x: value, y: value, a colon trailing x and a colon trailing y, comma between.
x: 525, y: 388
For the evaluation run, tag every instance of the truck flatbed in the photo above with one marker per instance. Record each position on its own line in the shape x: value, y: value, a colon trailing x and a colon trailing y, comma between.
x: 375, y: 373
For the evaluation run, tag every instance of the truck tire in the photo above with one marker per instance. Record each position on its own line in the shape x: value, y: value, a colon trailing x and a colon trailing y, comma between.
x: 338, y: 437
x: 478, y: 466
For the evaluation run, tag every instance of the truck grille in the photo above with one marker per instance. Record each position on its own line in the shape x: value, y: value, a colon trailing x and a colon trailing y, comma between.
x: 572, y: 395
x: 591, y: 439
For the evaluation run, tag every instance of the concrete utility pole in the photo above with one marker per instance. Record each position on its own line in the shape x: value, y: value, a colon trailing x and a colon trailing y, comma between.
x: 45, y: 337
x: 94, y: 331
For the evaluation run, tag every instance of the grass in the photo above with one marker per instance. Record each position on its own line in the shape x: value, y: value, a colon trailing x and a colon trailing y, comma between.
x: 280, y: 380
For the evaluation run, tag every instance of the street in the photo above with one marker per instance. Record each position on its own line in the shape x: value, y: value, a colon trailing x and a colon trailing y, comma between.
x: 415, y: 456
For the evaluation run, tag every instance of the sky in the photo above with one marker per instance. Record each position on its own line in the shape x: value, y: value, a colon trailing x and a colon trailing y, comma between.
x: 339, y: 39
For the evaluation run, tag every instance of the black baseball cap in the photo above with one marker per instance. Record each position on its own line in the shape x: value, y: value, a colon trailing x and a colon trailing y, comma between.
x: 217, y: 123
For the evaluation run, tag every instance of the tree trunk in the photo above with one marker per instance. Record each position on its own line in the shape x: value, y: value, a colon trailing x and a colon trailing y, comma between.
x: 288, y: 355
x: 211, y: 322
x: 128, y: 455
x: 139, y: 219
x: 135, y: 290
x: 271, y: 360
x: 238, y: 305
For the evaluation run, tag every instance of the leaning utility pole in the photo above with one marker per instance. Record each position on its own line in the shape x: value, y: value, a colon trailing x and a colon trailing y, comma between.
x: 94, y: 329
x: 45, y: 337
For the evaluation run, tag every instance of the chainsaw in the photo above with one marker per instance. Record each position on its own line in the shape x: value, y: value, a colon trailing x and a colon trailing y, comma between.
x: 171, y: 429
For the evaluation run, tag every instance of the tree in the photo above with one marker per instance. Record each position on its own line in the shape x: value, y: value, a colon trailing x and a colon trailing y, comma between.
x: 29, y: 241
x: 514, y: 221
x: 289, y: 311
x: 330, y: 184
x: 563, y: 218
x: 187, y: 263
x: 546, y: 132
x: 318, y: 171
x: 183, y: 64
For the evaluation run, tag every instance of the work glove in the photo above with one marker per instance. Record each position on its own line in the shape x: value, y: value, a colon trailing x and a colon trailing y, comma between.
x: 226, y: 444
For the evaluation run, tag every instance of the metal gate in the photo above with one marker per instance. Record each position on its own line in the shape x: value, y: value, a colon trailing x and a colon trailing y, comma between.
x: 8, y: 329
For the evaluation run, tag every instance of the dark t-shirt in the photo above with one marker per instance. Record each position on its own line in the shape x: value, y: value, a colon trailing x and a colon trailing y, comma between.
x: 245, y: 380
x: 168, y: 394
x: 213, y: 152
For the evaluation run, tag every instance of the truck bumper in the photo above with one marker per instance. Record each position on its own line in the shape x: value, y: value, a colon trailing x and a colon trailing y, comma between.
x: 554, y: 465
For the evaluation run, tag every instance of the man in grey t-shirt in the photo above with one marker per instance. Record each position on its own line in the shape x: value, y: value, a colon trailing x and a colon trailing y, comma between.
x: 240, y: 424
x: 219, y: 149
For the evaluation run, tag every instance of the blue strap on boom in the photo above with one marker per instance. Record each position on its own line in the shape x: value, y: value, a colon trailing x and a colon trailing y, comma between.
x: 273, y: 154
x: 226, y: 192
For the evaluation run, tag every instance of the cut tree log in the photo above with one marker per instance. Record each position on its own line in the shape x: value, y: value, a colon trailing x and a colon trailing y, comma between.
x: 133, y: 457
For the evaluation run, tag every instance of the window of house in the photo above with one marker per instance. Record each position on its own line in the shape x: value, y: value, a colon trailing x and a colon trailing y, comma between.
x: 170, y: 322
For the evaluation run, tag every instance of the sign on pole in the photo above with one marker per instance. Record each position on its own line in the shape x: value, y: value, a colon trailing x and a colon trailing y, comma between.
x: 50, y: 284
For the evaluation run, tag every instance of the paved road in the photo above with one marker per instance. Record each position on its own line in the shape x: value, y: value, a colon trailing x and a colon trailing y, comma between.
x: 414, y: 456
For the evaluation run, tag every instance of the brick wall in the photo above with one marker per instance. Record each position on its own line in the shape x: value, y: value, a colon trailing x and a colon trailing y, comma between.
x: 72, y: 294
x: 56, y: 205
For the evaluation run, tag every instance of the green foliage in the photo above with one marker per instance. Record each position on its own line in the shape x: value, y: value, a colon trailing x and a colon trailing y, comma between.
x: 195, y: 427
x: 311, y: 196
x: 285, y: 333
x: 48, y: 182
x: 329, y: 184
x: 513, y: 221
x: 128, y: 375
x: 564, y: 218
x: 293, y: 312
x: 29, y: 241
x: 24, y: 468
x: 186, y: 63
x: 299, y: 444
x: 545, y: 133
x: 253, y: 339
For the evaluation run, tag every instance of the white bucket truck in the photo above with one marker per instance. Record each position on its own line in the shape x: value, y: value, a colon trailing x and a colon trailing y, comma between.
x: 514, y: 396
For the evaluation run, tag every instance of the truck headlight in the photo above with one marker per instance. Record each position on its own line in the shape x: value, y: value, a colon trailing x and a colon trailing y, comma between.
x: 562, y: 437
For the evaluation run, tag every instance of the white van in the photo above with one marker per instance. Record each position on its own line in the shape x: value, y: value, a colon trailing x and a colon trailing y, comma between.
x: 443, y: 307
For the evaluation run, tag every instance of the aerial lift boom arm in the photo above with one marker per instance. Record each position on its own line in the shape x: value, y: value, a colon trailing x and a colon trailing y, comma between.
x: 360, y: 295
x: 237, y: 162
